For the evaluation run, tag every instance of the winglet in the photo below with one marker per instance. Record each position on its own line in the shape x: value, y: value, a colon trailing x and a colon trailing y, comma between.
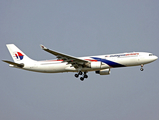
x: 43, y: 47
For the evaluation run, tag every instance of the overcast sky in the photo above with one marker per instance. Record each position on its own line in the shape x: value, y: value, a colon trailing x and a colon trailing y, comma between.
x: 79, y: 28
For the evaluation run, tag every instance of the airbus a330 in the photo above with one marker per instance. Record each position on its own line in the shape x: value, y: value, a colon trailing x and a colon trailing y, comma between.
x: 101, y: 64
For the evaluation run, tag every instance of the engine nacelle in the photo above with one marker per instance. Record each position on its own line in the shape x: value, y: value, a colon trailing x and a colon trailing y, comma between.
x: 95, y: 65
x: 103, y: 72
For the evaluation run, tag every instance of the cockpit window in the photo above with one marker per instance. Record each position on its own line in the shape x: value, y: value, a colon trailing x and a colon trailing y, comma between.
x: 151, y: 55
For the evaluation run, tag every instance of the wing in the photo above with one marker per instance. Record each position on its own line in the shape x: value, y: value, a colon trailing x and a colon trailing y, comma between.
x: 76, y: 62
x: 13, y: 63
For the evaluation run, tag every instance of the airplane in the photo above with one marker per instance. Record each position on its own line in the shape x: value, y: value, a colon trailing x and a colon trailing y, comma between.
x: 101, y: 64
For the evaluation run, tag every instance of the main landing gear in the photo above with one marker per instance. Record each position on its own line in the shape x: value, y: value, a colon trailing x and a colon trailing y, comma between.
x: 80, y: 73
x: 142, y: 67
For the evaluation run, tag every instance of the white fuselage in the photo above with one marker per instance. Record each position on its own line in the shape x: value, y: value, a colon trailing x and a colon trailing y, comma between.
x: 101, y: 64
x: 96, y: 63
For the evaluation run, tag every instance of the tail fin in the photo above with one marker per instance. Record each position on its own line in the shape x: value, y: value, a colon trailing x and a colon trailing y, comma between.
x: 17, y: 55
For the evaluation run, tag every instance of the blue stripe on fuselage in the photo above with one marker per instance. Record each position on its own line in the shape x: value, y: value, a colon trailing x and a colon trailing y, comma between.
x: 108, y: 62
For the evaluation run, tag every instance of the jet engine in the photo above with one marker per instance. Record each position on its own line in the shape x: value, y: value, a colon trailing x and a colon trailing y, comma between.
x: 103, y: 72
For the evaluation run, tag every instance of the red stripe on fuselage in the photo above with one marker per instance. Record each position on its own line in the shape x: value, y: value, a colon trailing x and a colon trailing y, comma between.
x: 54, y: 60
x: 91, y: 60
x: 72, y: 61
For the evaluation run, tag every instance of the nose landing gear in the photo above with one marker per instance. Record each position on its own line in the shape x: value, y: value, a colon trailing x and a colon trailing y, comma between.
x: 142, y: 67
x: 80, y: 73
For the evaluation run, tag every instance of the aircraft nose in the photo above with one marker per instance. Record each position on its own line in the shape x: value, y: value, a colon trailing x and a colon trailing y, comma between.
x: 156, y: 58
x: 153, y: 58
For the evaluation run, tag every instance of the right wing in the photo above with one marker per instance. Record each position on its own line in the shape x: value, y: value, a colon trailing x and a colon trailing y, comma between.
x: 76, y: 62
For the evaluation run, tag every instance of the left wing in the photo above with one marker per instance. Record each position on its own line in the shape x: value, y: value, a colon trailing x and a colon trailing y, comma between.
x: 13, y: 63
x: 76, y: 62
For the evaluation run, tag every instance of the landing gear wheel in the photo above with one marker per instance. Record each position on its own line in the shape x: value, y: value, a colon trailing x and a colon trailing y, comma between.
x: 141, y: 69
x: 76, y: 75
x: 142, y: 65
x: 85, y: 76
x: 81, y: 73
x: 81, y: 78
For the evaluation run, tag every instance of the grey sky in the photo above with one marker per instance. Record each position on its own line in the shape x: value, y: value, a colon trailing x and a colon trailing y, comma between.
x: 79, y: 28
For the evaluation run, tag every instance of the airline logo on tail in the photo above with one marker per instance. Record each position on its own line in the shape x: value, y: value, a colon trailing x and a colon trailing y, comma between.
x: 19, y: 55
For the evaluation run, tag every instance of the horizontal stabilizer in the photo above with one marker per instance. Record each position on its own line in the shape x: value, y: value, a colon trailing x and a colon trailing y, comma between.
x: 13, y: 63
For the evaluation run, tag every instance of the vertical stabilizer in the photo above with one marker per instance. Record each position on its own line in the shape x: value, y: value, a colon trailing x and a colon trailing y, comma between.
x: 17, y: 55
